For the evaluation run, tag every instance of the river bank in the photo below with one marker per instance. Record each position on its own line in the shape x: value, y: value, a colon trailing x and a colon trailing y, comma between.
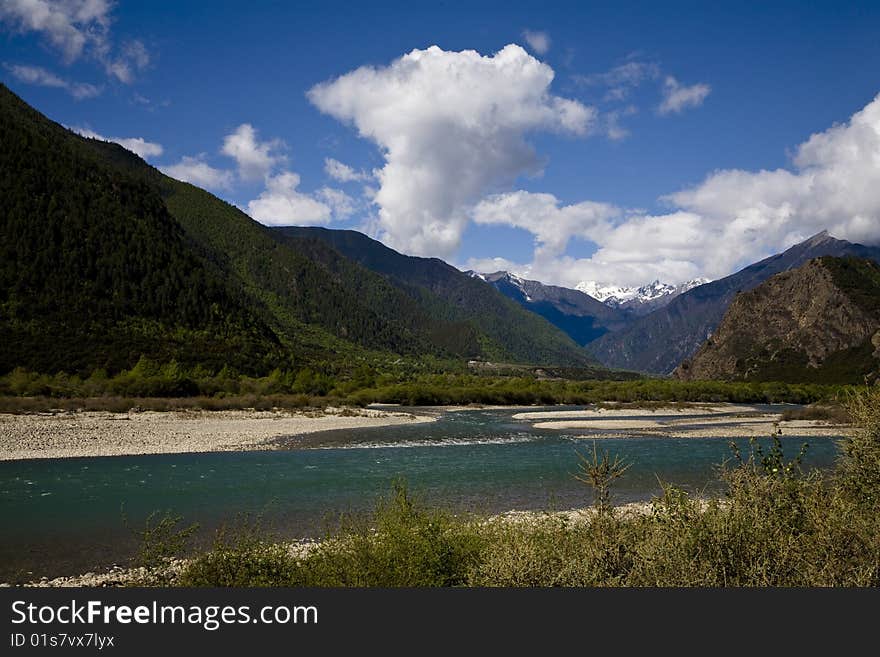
x: 690, y: 421
x: 69, y: 434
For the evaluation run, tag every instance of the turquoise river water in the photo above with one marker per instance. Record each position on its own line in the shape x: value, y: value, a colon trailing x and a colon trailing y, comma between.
x: 61, y: 516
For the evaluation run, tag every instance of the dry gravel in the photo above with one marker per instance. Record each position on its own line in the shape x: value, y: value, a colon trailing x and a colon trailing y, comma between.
x: 91, y: 433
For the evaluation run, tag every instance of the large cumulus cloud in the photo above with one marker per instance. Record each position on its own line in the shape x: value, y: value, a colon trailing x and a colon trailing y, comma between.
x: 451, y: 126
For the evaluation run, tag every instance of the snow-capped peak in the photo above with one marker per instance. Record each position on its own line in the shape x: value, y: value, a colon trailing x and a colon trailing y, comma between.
x: 604, y: 292
x: 619, y: 295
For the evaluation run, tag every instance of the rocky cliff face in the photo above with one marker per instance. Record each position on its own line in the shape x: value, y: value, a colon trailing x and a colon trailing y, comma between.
x: 820, y: 322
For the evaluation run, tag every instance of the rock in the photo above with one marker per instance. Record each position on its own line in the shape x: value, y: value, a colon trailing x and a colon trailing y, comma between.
x: 789, y: 326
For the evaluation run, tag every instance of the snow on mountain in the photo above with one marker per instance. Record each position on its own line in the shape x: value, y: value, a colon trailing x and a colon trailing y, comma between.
x: 610, y: 294
x: 619, y: 296
x: 520, y: 283
x: 637, y: 300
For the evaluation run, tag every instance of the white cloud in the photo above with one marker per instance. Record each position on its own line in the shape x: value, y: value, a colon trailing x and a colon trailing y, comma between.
x: 138, y: 145
x: 369, y: 192
x: 254, y: 158
x: 136, y: 52
x: 451, y: 126
x: 731, y: 219
x: 281, y: 204
x: 68, y: 26
x: 611, y: 123
x: 678, y: 97
x: 631, y: 249
x: 76, y: 28
x: 538, y: 41
x: 491, y: 265
x: 344, y: 173
x: 341, y: 204
x: 134, y: 57
x: 198, y: 172
x: 622, y: 79
x: 43, y: 78
x: 834, y: 185
x: 541, y: 215
x: 621, y: 82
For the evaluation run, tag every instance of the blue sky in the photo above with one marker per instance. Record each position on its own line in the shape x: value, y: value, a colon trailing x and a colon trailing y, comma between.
x: 593, y: 177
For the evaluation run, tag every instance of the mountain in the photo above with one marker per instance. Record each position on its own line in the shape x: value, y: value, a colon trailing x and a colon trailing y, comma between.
x: 321, y: 317
x: 302, y: 316
x: 582, y: 317
x: 661, y: 340
x: 94, y: 270
x: 502, y: 330
x: 638, y: 300
x: 104, y: 258
x: 817, y: 323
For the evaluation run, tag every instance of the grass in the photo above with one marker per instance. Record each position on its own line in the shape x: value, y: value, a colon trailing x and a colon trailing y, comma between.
x: 114, y: 404
x: 776, y: 526
x: 833, y: 413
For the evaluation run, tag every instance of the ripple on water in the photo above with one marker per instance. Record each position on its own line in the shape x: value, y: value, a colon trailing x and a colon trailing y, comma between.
x: 439, y: 442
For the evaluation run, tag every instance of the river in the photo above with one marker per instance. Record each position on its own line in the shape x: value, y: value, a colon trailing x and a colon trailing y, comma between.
x: 62, y: 516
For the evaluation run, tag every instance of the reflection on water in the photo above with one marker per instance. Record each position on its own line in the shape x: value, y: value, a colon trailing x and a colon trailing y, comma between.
x: 65, y: 515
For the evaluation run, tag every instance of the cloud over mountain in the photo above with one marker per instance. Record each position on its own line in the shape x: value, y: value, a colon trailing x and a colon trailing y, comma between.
x: 40, y: 77
x: 139, y: 145
x: 732, y: 218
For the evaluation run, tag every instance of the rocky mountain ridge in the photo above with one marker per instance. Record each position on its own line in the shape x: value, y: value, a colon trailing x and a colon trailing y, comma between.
x: 819, y: 322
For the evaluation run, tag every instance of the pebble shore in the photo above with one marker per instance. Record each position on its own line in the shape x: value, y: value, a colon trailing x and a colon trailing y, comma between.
x: 91, y: 433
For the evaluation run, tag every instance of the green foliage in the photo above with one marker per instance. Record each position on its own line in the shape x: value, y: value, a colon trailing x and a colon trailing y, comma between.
x: 94, y: 271
x: 295, y: 286
x: 599, y: 472
x: 552, y: 551
x: 859, y: 468
x: 832, y: 411
x: 464, y: 389
x: 412, y: 383
x: 162, y: 540
x: 844, y: 367
x: 404, y: 544
x: 243, y: 555
x: 859, y: 279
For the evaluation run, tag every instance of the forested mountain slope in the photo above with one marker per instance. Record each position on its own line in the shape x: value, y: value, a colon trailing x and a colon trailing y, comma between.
x: 504, y: 330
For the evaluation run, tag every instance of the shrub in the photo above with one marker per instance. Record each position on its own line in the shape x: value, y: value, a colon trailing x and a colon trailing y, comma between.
x: 242, y: 558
